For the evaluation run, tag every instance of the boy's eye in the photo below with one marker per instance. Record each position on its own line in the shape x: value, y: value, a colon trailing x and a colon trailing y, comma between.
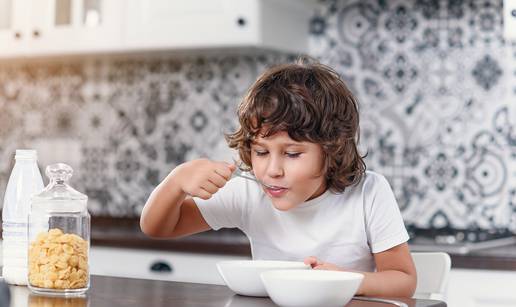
x: 261, y: 152
x: 293, y: 154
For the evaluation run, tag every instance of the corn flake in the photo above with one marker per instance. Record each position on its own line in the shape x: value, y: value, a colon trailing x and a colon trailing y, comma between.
x: 58, y: 260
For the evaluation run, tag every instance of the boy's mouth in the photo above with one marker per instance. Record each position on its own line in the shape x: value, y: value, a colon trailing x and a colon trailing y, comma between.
x: 275, y: 191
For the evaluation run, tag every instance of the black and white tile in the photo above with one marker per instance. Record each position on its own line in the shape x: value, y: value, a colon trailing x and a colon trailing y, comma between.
x: 436, y: 83
x: 123, y: 124
x: 433, y: 81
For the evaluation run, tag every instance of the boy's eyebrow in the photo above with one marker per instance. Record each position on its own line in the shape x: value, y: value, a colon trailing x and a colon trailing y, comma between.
x: 285, y: 144
x: 293, y: 144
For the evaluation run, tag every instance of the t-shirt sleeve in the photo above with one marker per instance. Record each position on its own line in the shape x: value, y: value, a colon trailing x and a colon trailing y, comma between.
x: 384, y: 223
x: 226, y: 208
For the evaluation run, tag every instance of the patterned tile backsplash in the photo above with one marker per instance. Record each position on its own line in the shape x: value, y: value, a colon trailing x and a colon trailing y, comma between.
x: 436, y: 83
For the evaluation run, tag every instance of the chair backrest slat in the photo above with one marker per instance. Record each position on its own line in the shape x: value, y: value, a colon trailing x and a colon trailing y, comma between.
x: 433, y: 270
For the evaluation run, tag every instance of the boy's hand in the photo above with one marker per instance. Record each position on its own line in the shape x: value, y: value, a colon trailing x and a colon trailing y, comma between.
x: 316, y: 264
x: 202, y: 178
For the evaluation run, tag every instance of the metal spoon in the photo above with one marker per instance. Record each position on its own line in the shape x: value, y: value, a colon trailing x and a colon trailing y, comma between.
x: 380, y: 300
x: 239, y: 173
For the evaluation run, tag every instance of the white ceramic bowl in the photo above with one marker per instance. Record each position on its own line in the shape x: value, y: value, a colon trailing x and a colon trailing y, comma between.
x: 311, y: 287
x: 243, y: 276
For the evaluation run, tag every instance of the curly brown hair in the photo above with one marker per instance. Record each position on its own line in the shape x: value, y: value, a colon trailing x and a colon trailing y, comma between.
x: 311, y: 103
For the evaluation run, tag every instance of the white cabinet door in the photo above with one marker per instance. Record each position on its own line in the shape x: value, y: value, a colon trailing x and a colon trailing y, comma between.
x: 149, y: 264
x: 14, y: 18
x: 160, y: 24
x: 75, y: 26
x: 481, y: 288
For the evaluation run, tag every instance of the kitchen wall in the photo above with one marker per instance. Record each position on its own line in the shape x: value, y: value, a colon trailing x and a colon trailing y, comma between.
x: 435, y: 80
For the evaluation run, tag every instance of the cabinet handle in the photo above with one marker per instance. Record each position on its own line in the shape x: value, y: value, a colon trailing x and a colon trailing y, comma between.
x: 161, y: 267
x: 241, y: 21
x: 36, y: 33
x: 17, y: 35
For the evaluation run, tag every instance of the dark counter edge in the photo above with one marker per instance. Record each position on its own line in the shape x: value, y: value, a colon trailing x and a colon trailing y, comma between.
x: 483, y: 262
x: 125, y: 232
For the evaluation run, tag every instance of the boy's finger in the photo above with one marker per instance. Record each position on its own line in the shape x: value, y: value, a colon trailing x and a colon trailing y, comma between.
x: 209, y: 187
x: 232, y: 167
x: 224, y: 171
x: 203, y: 194
x: 310, y: 260
x: 217, y: 180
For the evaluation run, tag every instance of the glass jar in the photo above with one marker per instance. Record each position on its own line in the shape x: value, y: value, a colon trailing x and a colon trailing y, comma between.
x: 59, y: 237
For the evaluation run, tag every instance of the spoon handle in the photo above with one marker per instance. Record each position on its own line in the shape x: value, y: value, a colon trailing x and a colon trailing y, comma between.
x: 238, y: 173
x: 380, y: 300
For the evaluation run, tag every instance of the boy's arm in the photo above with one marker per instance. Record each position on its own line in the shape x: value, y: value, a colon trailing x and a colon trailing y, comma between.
x: 395, y: 274
x: 170, y: 212
x: 160, y: 219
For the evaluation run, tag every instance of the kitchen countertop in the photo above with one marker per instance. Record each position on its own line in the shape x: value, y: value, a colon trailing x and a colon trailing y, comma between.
x: 125, y: 232
x: 113, y: 291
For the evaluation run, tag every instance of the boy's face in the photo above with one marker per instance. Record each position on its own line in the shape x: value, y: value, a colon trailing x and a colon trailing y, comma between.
x: 295, y: 169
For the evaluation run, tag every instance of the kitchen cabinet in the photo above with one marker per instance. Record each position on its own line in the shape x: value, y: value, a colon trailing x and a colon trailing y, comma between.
x: 155, y: 265
x: 32, y: 28
x: 76, y: 26
x: 509, y: 20
x: 55, y: 27
x: 179, y: 24
x: 481, y: 288
x: 13, y: 18
x: 158, y: 265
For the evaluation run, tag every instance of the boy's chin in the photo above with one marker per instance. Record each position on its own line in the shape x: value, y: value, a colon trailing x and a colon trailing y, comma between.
x: 283, y: 205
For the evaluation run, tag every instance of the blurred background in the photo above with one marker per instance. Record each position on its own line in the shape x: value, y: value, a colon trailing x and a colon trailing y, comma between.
x: 124, y: 91
x: 435, y: 81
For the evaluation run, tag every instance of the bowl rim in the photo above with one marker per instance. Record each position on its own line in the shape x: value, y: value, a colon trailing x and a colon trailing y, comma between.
x: 264, y: 264
x: 311, y: 275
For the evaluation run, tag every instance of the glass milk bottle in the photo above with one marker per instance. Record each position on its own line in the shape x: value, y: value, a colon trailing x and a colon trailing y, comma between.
x: 59, y: 237
x: 24, y: 181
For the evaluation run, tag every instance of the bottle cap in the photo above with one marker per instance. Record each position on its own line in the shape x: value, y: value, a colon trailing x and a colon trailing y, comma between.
x: 29, y: 154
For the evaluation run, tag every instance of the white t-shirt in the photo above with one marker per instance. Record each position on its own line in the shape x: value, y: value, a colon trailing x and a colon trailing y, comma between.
x: 343, y: 229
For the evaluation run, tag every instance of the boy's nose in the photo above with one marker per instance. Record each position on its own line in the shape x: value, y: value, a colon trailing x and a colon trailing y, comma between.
x: 275, y: 168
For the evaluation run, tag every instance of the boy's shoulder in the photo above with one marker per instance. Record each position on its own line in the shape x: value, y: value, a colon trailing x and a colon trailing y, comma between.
x: 372, y: 186
x: 372, y: 177
x: 372, y: 180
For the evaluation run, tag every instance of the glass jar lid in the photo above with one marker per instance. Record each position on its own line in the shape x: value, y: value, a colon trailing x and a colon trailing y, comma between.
x: 58, y: 188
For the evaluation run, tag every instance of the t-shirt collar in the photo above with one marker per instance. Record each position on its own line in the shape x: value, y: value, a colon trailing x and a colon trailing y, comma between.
x: 314, y: 201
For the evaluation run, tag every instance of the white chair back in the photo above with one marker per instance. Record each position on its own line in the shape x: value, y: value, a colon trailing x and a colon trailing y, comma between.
x: 433, y: 270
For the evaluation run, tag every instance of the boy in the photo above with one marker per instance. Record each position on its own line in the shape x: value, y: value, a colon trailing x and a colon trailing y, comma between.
x: 316, y: 202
